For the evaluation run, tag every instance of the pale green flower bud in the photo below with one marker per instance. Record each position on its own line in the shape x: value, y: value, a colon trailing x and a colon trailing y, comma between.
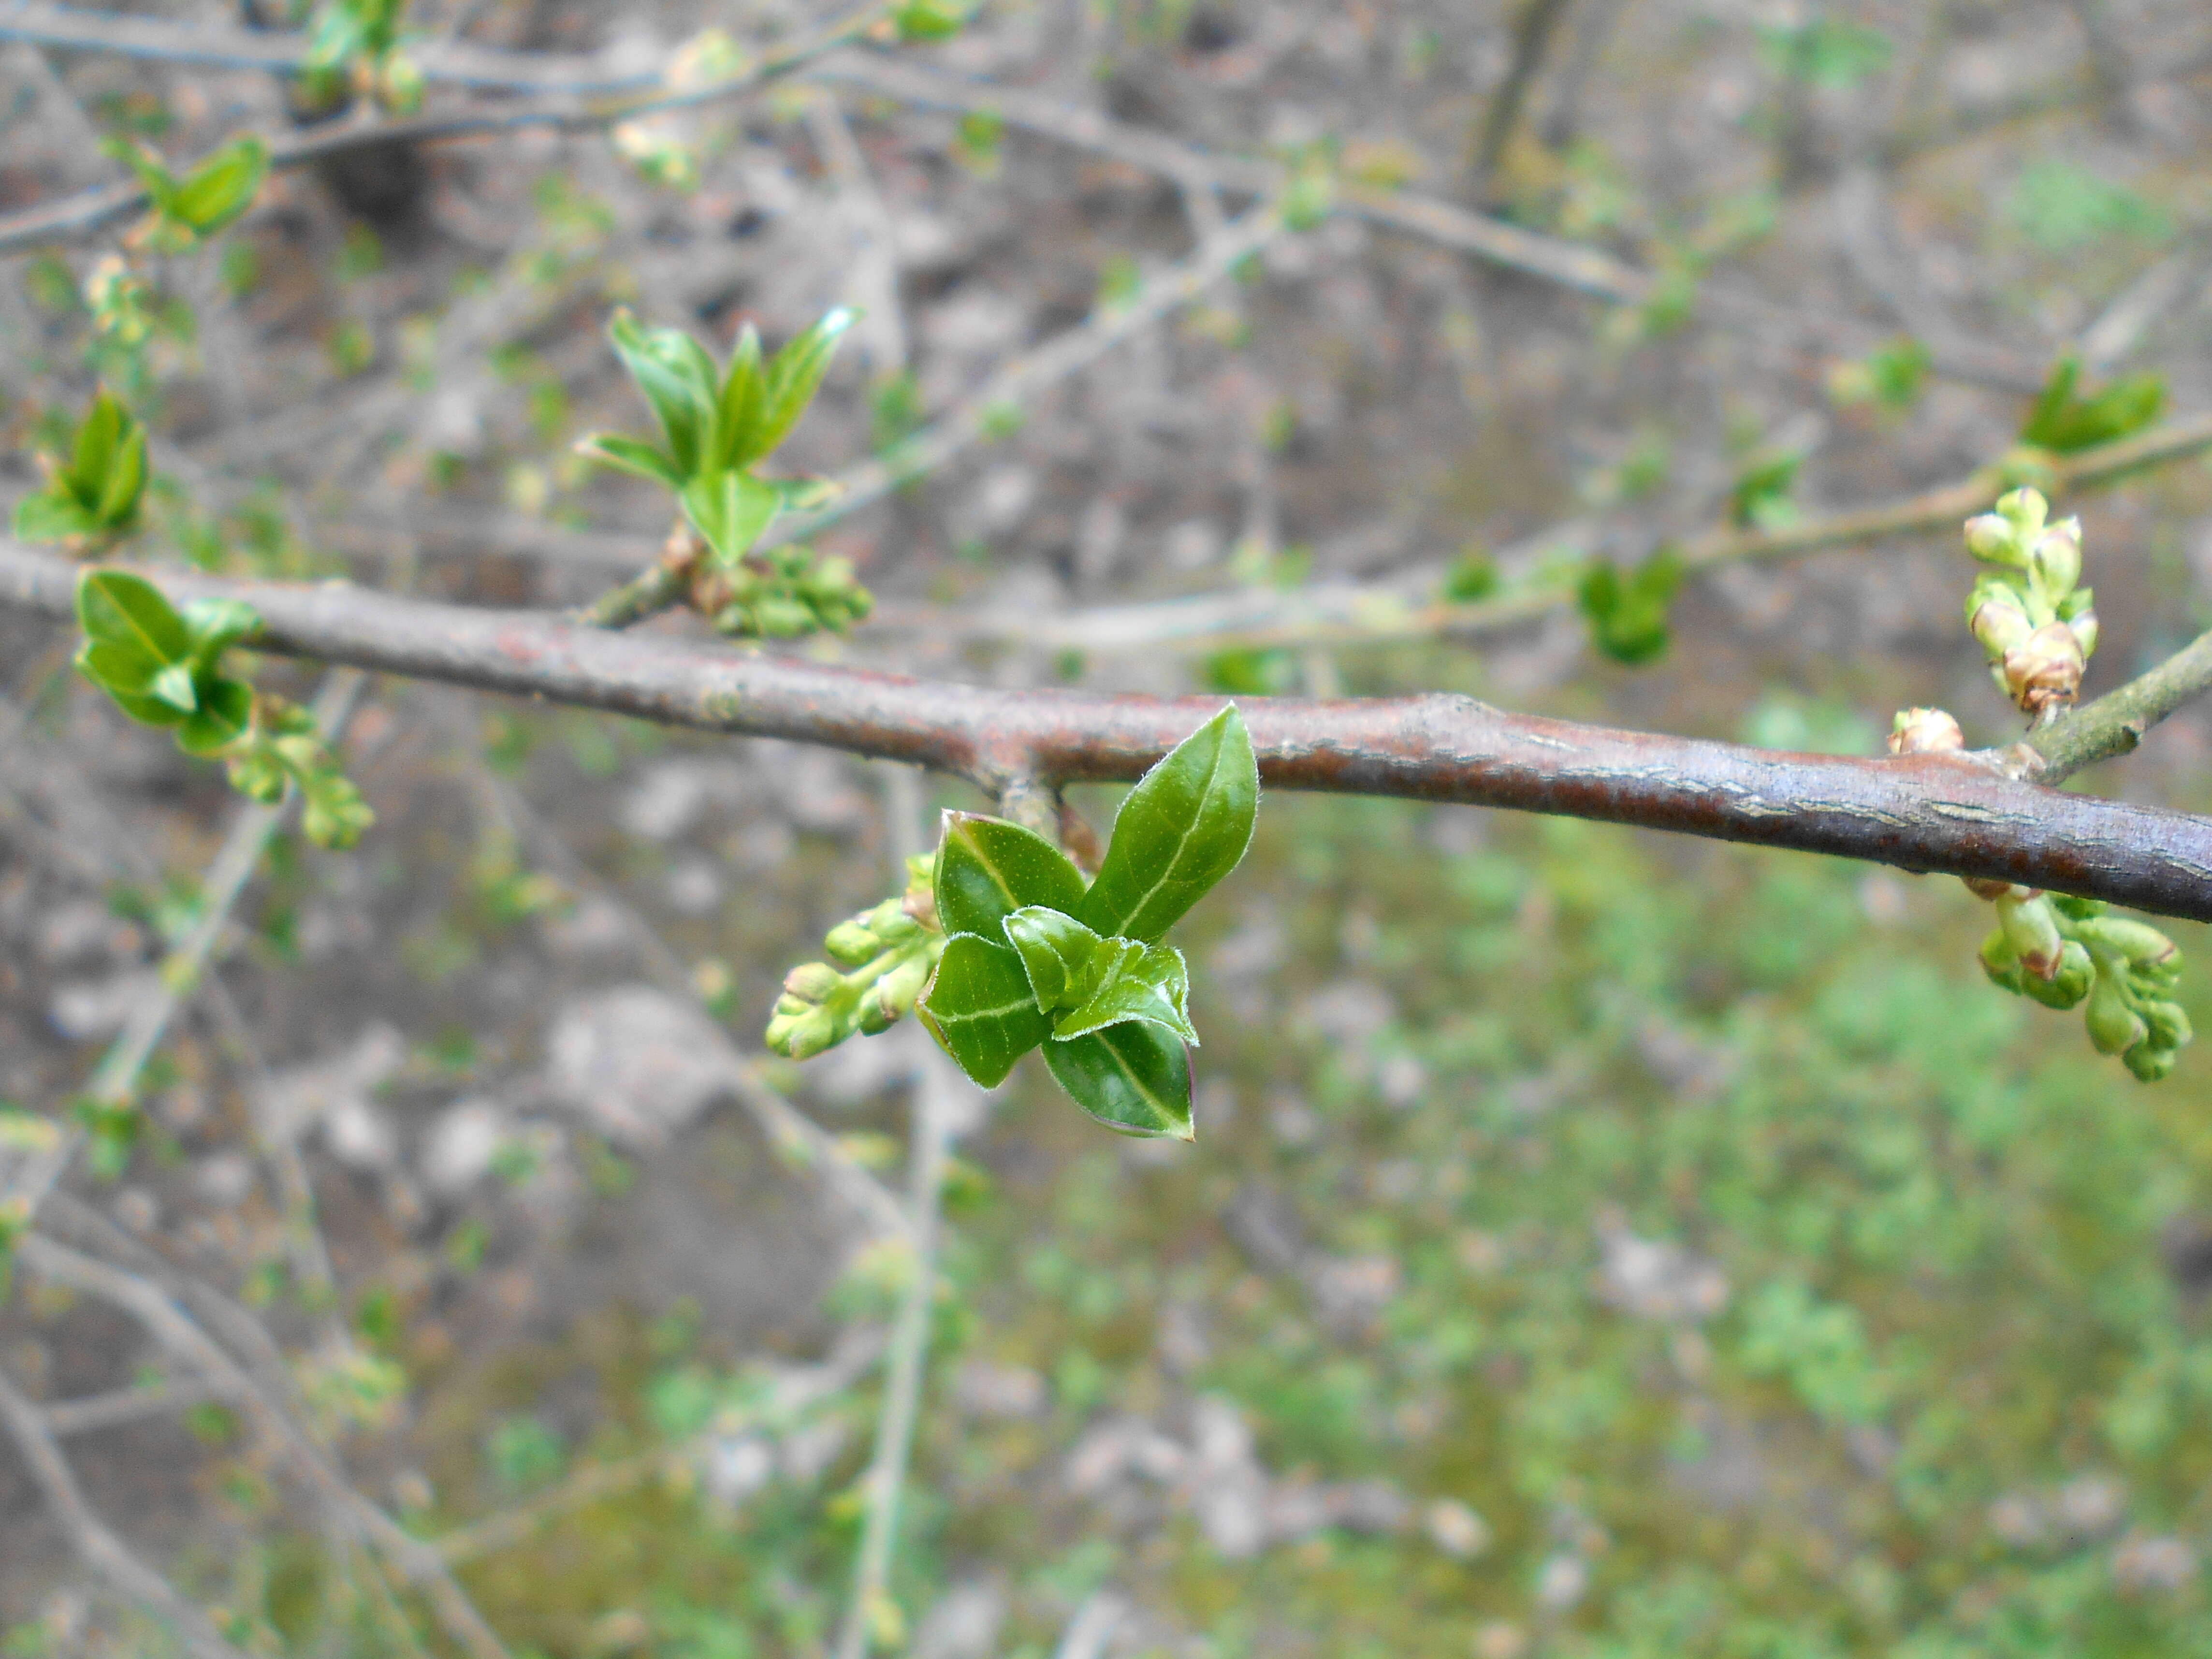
x: 2143, y: 945
x: 853, y: 942
x: 2114, y: 1026
x: 896, y: 990
x: 1993, y: 617
x: 2044, y: 672
x: 2169, y: 1024
x: 2025, y: 510
x: 2055, y: 558
x: 1925, y: 732
x: 2001, y: 961
x: 2083, y: 621
x: 812, y: 982
x: 1991, y: 539
x: 2033, y: 930
x: 2065, y: 988
x: 2150, y: 1062
x: 803, y: 1033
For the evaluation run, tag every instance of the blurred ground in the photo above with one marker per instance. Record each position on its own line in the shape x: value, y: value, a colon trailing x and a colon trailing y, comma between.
x: 1593, y: 1246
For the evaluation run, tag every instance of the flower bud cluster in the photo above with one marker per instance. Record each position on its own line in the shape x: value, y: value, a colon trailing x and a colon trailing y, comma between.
x: 2064, y: 952
x: 880, y: 962
x: 2039, y: 628
x: 780, y: 594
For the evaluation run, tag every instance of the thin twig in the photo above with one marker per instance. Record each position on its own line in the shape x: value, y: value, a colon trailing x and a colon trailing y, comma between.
x: 131, y: 1404
x: 415, y: 1561
x: 938, y: 1107
x: 102, y: 1550
x: 86, y: 211
x: 116, y: 1080
x: 2115, y: 723
x: 1364, y: 613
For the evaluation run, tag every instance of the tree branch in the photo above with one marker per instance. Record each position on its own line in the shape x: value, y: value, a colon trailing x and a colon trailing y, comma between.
x: 1959, y: 816
x: 102, y: 1550
x: 2115, y: 723
x: 89, y: 210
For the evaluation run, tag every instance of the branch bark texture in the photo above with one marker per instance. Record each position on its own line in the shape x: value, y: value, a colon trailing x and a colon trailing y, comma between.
x: 1959, y: 816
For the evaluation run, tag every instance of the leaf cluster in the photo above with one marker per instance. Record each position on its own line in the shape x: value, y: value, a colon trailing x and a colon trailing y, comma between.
x: 355, y: 45
x: 1036, y: 958
x: 716, y: 425
x: 163, y: 667
x: 2066, y: 418
x: 92, y: 494
x: 187, y: 210
x: 1627, y: 610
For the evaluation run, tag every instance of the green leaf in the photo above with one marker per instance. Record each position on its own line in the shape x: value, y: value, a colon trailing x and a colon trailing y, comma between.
x: 153, y: 174
x: 794, y: 376
x: 225, y: 715
x: 2064, y: 420
x: 223, y: 186
x: 730, y: 509
x: 744, y: 398
x: 1760, y: 497
x: 1147, y: 983
x: 633, y: 455
x: 215, y: 625
x: 979, y: 1009
x: 1133, y: 1077
x: 125, y: 481
x: 1057, y: 952
x: 1628, y: 613
x: 987, y: 868
x: 99, y: 436
x: 677, y: 377
x: 1182, y: 828
x: 117, y: 609
x: 52, y: 515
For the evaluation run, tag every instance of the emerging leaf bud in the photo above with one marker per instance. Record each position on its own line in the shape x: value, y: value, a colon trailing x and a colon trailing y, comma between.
x: 2043, y: 673
x: 812, y: 982
x: 803, y: 1032
x: 1994, y: 618
x: 2064, y: 989
x: 2143, y: 945
x: 2114, y: 1025
x: 1990, y: 538
x: 1925, y: 732
x: 2056, y: 559
x: 2026, y: 511
x: 2032, y: 929
x: 852, y: 942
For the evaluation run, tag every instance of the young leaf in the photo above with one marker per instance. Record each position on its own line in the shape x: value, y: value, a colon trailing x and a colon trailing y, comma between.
x: 99, y: 436
x: 126, y: 480
x: 224, y: 715
x: 1135, y: 982
x: 126, y: 674
x: 793, y: 377
x: 1133, y: 1077
x: 52, y: 515
x: 2065, y: 421
x: 745, y: 397
x: 1181, y: 829
x: 221, y: 187
x: 730, y: 509
x: 987, y: 867
x: 676, y: 377
x: 215, y: 625
x: 1057, y: 953
x: 153, y: 175
x: 979, y: 1009
x: 633, y: 455
x: 1628, y: 613
x: 172, y: 684
x: 125, y: 611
